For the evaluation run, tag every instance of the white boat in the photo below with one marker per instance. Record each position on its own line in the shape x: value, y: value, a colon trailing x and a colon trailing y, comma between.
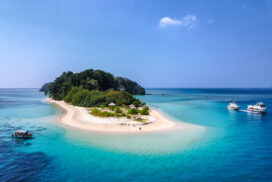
x: 233, y: 106
x: 258, y: 108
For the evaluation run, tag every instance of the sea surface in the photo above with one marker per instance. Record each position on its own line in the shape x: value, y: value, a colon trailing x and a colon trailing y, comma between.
x: 229, y: 146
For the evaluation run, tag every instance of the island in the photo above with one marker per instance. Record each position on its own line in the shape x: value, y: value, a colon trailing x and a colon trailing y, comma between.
x: 96, y: 100
x: 45, y: 88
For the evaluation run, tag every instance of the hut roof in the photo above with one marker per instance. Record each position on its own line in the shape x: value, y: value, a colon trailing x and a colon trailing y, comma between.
x: 112, y: 104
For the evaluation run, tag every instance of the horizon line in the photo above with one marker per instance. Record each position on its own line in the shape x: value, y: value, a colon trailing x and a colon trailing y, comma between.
x: 163, y: 87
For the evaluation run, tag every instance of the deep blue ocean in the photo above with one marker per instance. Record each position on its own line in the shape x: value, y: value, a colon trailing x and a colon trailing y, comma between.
x: 232, y: 146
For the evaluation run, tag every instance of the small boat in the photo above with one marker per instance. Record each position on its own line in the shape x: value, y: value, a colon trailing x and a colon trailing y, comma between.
x: 258, y: 108
x: 22, y: 134
x: 233, y: 106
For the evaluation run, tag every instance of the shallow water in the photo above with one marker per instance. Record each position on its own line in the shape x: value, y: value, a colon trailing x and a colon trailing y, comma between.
x: 234, y: 146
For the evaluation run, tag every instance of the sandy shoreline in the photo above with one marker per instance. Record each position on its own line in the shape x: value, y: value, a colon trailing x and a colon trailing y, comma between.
x: 80, y: 118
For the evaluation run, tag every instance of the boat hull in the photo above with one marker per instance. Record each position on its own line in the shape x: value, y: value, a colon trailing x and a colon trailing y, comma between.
x: 256, y: 112
x: 22, y: 137
x: 234, y: 108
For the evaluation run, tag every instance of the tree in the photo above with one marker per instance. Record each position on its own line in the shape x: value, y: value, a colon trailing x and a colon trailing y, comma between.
x: 145, y: 111
x: 92, y: 84
x: 91, y: 80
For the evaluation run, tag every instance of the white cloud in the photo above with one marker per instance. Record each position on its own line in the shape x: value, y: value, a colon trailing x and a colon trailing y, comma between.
x: 166, y: 21
x: 188, y: 21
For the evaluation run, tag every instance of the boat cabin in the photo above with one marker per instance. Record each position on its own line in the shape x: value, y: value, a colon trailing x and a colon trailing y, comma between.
x: 22, y: 134
x: 261, y: 104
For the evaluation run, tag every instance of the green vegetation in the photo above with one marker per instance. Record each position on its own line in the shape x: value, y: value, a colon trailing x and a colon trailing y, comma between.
x: 136, y: 103
x: 79, y: 96
x: 97, y: 112
x: 118, y: 110
x: 96, y: 88
x: 120, y: 98
x: 111, y: 108
x: 124, y: 84
x: 90, y: 80
x: 145, y: 111
x: 102, y: 106
x: 133, y: 111
x: 45, y: 88
x: 117, y: 115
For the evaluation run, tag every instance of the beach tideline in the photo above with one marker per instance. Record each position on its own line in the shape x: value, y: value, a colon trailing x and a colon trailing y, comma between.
x: 99, y: 101
x: 79, y: 117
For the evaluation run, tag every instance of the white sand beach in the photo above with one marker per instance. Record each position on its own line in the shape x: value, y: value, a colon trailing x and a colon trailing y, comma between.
x: 79, y: 117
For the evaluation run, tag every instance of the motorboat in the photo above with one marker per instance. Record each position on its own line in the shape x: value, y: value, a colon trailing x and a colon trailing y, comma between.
x: 233, y: 106
x: 22, y: 134
x: 258, y: 108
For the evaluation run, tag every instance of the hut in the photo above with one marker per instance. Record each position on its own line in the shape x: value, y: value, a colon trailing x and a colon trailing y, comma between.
x: 111, y: 104
x: 132, y: 106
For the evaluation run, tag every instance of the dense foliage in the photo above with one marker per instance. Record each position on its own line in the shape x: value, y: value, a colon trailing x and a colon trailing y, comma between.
x: 79, y: 96
x: 145, y: 111
x: 116, y: 111
x: 124, y: 84
x: 133, y: 111
x: 92, y: 80
x: 45, y: 88
x: 97, y: 112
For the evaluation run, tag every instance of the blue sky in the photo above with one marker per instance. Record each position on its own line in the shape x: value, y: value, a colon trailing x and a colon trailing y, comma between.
x: 156, y: 43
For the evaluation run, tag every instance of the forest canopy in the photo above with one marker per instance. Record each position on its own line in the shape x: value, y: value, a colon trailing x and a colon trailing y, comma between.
x: 93, y: 88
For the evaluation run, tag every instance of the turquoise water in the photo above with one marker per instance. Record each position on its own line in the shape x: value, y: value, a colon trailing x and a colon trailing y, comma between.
x: 228, y: 146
